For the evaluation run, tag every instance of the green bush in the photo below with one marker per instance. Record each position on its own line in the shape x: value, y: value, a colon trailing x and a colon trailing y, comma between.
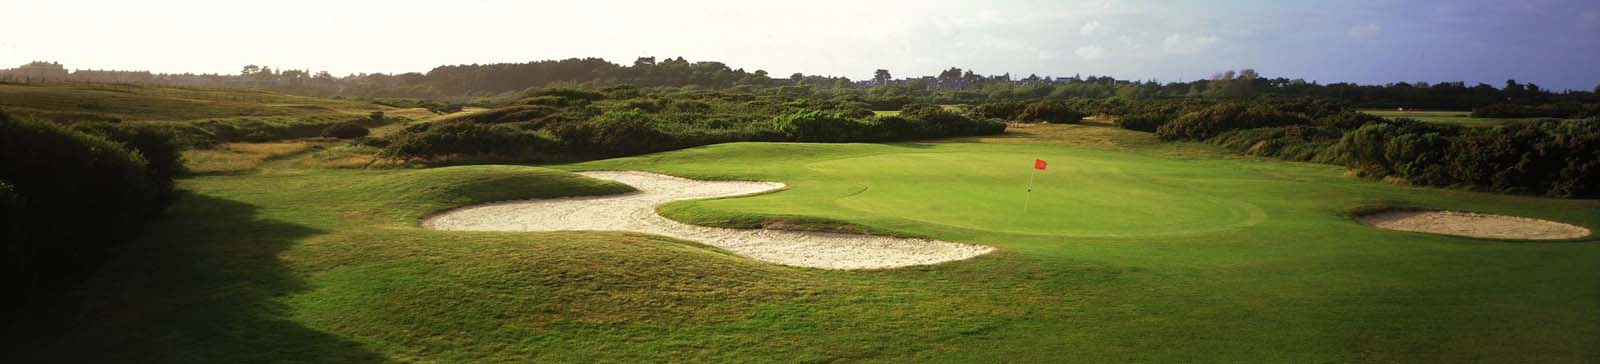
x: 819, y: 126
x: 1003, y: 110
x: 155, y: 144
x: 459, y: 138
x: 1143, y: 122
x: 628, y: 132
x: 1209, y: 122
x: 1050, y: 111
x: 345, y: 131
x: 1348, y: 120
x: 935, y: 121
x: 69, y: 197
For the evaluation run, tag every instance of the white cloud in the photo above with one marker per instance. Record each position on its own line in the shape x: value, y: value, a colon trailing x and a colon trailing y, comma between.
x: 1180, y: 44
x: 1090, y: 52
x: 1090, y: 27
x: 1365, y: 31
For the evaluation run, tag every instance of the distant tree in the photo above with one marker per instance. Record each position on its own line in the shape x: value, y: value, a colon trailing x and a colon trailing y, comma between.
x: 881, y: 76
x: 1597, y: 89
x: 1512, y: 89
x: 796, y: 77
x: 250, y: 70
x: 323, y: 76
x: 644, y: 61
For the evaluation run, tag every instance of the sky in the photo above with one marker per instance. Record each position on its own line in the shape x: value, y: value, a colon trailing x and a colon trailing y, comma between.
x: 1554, y: 43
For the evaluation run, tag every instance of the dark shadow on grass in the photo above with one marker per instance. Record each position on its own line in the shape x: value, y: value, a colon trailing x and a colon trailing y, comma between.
x: 202, y: 286
x: 912, y: 145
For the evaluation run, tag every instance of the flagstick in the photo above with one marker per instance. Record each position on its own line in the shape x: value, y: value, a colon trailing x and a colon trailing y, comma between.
x: 1028, y: 196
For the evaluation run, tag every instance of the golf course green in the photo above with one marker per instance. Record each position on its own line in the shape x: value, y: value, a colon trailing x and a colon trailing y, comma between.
x: 1128, y: 250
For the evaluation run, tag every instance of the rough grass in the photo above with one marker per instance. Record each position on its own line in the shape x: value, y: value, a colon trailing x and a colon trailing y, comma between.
x: 239, y: 157
x: 199, y: 116
x: 1131, y: 251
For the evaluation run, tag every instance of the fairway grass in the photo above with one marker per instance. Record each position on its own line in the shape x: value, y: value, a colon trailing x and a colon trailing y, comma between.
x: 1463, y: 118
x: 1130, y: 250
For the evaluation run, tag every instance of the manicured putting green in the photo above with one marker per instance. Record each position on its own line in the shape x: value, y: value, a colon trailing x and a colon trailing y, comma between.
x: 1081, y: 195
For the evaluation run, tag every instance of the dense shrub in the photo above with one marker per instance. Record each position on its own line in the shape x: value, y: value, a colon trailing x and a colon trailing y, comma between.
x: 1348, y: 120
x: 1003, y: 110
x: 1296, y: 142
x: 892, y: 128
x: 69, y: 197
x: 1209, y: 122
x: 1559, y: 158
x: 819, y: 126
x: 933, y: 121
x: 467, y: 139
x: 1405, y: 149
x: 1550, y: 157
x: 1050, y: 111
x: 1143, y: 122
x: 628, y: 132
x: 163, y: 156
x: 345, y: 131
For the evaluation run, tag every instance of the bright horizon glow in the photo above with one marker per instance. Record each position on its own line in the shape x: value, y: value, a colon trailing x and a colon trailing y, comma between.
x: 1548, y: 42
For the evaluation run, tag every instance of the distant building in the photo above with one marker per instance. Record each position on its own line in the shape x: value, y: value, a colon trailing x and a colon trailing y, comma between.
x: 36, y: 71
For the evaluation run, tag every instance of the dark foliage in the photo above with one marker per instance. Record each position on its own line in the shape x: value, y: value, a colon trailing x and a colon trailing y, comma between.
x: 1003, y: 110
x: 1050, y: 111
x: 1348, y: 120
x: 164, y: 157
x: 345, y: 131
x: 626, y: 133
x: 820, y: 126
x: 1209, y: 122
x: 1143, y: 122
x: 70, y: 197
x: 467, y: 139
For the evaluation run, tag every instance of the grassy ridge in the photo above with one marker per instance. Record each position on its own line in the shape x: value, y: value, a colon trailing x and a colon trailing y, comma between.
x: 1131, y: 250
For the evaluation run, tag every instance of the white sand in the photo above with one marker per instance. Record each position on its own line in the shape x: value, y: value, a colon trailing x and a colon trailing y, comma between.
x: 636, y: 212
x: 1474, y: 225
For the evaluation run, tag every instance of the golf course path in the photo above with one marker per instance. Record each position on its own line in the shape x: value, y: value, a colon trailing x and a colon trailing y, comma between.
x: 636, y: 212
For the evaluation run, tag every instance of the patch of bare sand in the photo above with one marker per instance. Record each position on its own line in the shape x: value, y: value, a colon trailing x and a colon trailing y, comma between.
x: 1474, y: 225
x: 636, y: 212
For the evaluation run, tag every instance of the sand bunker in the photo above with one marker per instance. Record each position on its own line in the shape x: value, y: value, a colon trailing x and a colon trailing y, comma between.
x: 636, y: 212
x: 1474, y: 225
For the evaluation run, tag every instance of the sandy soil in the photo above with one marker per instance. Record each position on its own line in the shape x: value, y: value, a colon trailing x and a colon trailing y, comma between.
x: 636, y: 212
x: 1474, y: 225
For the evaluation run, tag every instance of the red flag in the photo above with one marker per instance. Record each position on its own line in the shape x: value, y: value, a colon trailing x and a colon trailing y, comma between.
x: 1039, y: 164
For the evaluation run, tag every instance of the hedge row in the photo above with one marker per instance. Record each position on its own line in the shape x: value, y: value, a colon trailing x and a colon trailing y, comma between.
x: 68, y: 195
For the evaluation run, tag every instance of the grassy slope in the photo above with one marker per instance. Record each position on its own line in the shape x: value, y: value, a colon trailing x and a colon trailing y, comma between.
x: 273, y: 115
x: 1132, y: 250
x: 157, y: 103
